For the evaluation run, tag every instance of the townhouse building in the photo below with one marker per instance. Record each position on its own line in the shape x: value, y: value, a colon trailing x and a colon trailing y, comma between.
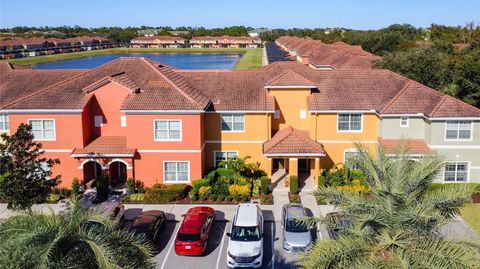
x: 225, y: 41
x: 158, y: 42
x: 134, y: 117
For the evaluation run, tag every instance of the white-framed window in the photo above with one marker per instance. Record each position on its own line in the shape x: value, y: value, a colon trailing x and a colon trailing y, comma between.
x: 43, y: 129
x: 123, y: 121
x: 347, y: 122
x: 176, y: 171
x: 98, y: 120
x: 4, y: 123
x: 221, y: 156
x: 303, y: 114
x: 167, y: 130
x: 233, y: 122
x: 350, y: 156
x: 403, y: 121
x: 458, y: 130
x: 456, y: 172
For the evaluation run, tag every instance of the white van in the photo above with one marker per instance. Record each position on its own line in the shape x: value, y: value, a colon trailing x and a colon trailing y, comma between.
x: 245, y: 247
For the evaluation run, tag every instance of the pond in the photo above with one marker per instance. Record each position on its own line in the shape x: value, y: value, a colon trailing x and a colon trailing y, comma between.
x: 179, y: 60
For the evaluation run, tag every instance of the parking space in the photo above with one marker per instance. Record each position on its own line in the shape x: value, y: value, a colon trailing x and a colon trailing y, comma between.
x: 216, y: 255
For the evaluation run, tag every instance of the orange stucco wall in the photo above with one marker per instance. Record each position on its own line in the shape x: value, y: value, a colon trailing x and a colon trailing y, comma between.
x: 290, y: 102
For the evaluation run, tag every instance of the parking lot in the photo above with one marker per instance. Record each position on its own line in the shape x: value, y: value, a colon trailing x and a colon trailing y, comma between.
x: 216, y: 255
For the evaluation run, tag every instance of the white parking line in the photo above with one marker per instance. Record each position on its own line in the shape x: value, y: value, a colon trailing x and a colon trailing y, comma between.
x: 273, y: 245
x: 171, y: 246
x: 221, y: 246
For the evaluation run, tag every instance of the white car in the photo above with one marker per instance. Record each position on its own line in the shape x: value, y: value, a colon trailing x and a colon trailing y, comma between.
x: 245, y: 246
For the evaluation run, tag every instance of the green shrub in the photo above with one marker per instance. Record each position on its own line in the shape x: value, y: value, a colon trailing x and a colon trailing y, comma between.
x: 220, y: 198
x: 257, y: 184
x: 226, y: 173
x: 137, y: 197
x: 265, y: 181
x: 52, y: 198
x: 139, y: 186
x: 321, y: 181
x: 241, y: 180
x: 102, y: 189
x: 130, y: 185
x: 294, y: 198
x: 239, y: 192
x: 64, y: 192
x: 221, y: 188
x: 293, y: 184
x: 212, y: 175
x: 56, y: 191
x: 75, y: 187
x: 204, y: 192
x: 159, y: 193
x: 197, y: 184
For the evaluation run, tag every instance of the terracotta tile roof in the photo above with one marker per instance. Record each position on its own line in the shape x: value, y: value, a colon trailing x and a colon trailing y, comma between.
x: 413, y: 146
x: 106, y: 145
x: 290, y: 78
x: 160, y: 87
x: 16, y: 84
x: 290, y: 141
x: 158, y: 39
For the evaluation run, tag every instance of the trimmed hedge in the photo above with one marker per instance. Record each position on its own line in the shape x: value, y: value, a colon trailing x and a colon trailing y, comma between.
x: 293, y: 184
x: 159, y: 193
x: 264, y: 185
x: 197, y: 184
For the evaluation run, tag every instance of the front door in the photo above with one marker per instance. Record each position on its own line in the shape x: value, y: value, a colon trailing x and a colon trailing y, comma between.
x: 303, y: 166
x: 278, y: 164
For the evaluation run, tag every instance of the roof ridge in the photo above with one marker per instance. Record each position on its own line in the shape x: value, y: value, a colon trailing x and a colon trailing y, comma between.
x: 173, y: 84
x: 397, y: 96
x: 283, y: 138
x: 59, y: 83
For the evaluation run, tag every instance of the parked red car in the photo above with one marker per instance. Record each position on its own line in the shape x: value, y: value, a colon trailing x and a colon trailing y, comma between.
x: 192, y: 237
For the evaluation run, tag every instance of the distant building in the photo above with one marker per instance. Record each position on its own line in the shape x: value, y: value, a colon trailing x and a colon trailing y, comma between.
x: 258, y: 31
x: 225, y: 42
x: 158, y: 42
x: 148, y: 32
x: 177, y: 33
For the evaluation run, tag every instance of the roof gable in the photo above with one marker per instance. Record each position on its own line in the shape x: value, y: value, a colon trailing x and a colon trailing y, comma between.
x: 290, y: 79
x: 291, y: 142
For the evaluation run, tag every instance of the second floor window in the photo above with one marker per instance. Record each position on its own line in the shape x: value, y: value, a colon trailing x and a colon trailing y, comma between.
x: 4, y: 123
x: 233, y: 122
x: 403, y: 121
x: 349, y: 122
x: 458, y: 130
x: 168, y: 130
x: 43, y: 129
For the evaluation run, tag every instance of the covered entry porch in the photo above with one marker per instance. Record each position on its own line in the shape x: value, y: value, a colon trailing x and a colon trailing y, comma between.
x: 292, y: 152
x: 106, y: 156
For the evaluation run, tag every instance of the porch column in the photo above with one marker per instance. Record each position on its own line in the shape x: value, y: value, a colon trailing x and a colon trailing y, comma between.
x: 293, y: 166
x: 269, y: 167
x: 316, y: 172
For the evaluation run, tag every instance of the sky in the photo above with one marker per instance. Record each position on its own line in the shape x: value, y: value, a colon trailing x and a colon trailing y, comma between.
x: 354, y: 14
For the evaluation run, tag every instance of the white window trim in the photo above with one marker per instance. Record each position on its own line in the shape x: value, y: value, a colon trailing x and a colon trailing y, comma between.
x: 469, y: 163
x: 458, y: 140
x: 163, y: 140
x: 351, y: 131
x: 215, y: 155
x: 406, y: 125
x: 232, y: 131
x: 123, y: 121
x: 54, y: 130
x: 355, y: 150
x: 7, y: 119
x: 175, y: 161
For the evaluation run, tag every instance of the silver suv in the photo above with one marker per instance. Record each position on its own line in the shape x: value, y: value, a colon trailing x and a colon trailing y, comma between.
x: 297, y: 236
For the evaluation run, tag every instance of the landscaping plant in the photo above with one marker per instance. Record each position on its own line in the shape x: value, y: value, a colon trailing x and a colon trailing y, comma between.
x: 293, y: 184
x: 397, y: 224
x: 24, y: 180
x: 33, y: 240
x: 75, y: 187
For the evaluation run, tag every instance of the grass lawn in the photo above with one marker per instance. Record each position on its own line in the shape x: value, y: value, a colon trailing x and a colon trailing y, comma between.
x: 471, y: 214
x: 251, y: 59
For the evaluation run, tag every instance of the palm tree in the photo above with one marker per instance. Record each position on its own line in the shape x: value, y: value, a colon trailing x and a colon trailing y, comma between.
x: 33, y: 240
x: 396, y: 225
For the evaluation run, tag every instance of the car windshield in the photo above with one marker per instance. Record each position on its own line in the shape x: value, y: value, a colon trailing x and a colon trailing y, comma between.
x: 245, y: 233
x: 294, y: 226
x: 188, y: 237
